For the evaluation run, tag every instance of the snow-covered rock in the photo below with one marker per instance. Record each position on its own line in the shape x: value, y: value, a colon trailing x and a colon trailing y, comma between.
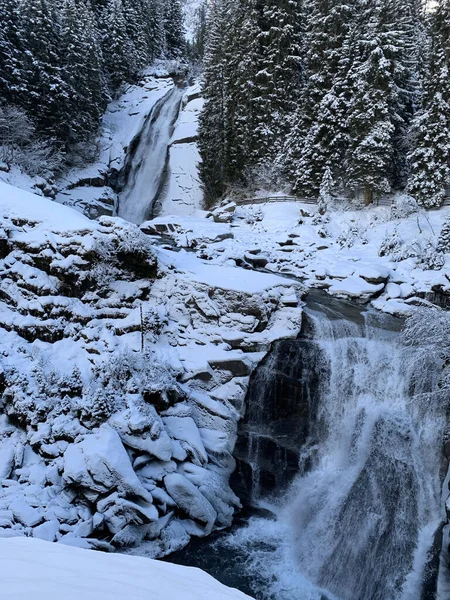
x: 123, y: 377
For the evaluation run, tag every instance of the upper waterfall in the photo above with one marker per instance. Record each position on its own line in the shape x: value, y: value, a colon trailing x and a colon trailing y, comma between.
x: 148, y: 169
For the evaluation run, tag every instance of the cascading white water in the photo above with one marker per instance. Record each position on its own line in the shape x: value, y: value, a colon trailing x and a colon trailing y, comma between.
x: 137, y: 200
x: 359, y: 524
x: 359, y: 515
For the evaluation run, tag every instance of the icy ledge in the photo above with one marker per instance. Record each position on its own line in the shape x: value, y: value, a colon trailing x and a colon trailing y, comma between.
x: 43, y: 571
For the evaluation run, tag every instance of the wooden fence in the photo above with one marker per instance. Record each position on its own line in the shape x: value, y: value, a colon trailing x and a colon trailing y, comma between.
x: 268, y: 199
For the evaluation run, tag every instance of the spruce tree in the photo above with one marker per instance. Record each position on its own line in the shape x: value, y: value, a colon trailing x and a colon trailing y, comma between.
x: 430, y: 157
x: 375, y: 106
x: 117, y: 48
x: 81, y: 70
x: 212, y: 119
x: 174, y: 44
x: 154, y: 28
x: 444, y: 238
x: 280, y: 70
x: 11, y: 48
x: 315, y: 141
x: 45, y: 93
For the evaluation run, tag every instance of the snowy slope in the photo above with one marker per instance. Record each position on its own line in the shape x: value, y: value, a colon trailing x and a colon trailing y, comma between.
x: 42, y: 571
x: 122, y: 376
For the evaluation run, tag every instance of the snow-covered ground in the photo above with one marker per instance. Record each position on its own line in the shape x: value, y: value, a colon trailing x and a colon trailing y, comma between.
x: 42, y: 571
x: 372, y: 254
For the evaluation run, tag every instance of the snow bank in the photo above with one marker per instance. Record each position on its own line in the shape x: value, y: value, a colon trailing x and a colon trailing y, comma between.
x: 19, y: 204
x: 35, y: 569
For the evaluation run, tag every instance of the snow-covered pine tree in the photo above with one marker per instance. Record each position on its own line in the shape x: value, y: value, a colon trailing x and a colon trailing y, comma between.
x: 379, y: 102
x: 135, y: 16
x: 154, y: 27
x: 118, y: 49
x: 405, y: 24
x: 315, y: 141
x: 81, y: 70
x: 326, y: 191
x: 430, y: 157
x: 212, y: 119
x: 242, y: 96
x: 11, y: 48
x: 174, y: 41
x: 280, y: 72
x: 443, y: 244
x: 45, y: 94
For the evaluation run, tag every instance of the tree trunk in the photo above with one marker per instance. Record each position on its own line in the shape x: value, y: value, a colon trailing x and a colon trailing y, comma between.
x: 368, y: 195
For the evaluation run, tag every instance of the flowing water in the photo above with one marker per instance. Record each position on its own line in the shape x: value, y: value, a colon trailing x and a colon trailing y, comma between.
x: 359, y: 519
x: 149, y: 162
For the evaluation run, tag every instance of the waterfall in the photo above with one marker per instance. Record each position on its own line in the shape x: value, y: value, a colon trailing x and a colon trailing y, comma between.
x: 360, y: 518
x: 147, y: 175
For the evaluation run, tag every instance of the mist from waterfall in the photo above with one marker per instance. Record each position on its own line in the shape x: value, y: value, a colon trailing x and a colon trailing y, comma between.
x: 148, y: 170
x: 358, y: 523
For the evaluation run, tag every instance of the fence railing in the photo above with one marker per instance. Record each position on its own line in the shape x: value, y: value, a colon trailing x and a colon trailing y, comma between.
x: 267, y: 199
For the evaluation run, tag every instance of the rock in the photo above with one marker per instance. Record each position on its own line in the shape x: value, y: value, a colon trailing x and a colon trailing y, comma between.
x: 6, y: 518
x: 100, y: 463
x: 7, y: 456
x: 25, y: 514
x: 190, y: 500
x: 355, y: 287
x: 257, y: 261
x: 47, y: 531
x: 237, y: 367
x: 224, y: 214
x: 393, y: 290
x: 374, y: 275
x: 406, y: 290
x: 185, y: 430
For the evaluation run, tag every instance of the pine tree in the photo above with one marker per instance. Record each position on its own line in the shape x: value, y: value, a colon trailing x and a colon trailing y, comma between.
x: 11, y: 48
x: 279, y: 77
x: 81, y: 70
x: 174, y: 44
x: 326, y: 191
x: 430, y: 157
x: 212, y: 119
x: 444, y: 238
x: 375, y: 106
x: 45, y: 93
x: 154, y: 28
x: 135, y: 15
x: 315, y: 141
x: 117, y: 48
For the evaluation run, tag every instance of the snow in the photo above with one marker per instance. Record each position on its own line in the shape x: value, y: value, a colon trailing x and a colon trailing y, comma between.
x: 93, y: 428
x: 357, y: 254
x: 18, y: 204
x: 227, y: 278
x: 31, y: 568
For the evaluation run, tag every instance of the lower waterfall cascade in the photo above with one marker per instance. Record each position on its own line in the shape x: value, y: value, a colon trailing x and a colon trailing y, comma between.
x: 362, y: 515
